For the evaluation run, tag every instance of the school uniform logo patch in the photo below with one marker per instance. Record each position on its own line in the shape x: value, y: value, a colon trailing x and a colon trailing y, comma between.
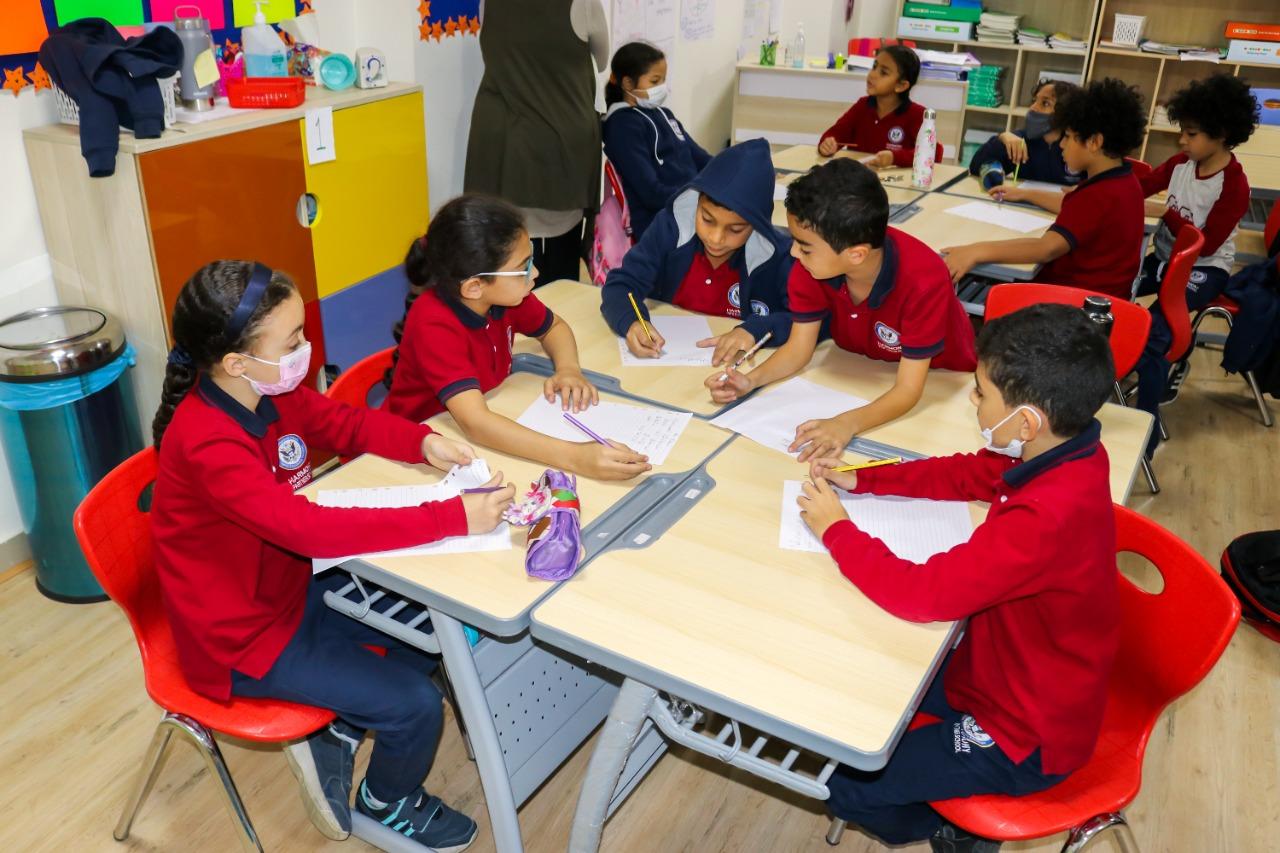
x: 896, y: 134
x: 888, y: 337
x: 675, y: 126
x: 759, y: 308
x: 1198, y: 278
x: 735, y: 295
x: 967, y: 733
x: 292, y: 452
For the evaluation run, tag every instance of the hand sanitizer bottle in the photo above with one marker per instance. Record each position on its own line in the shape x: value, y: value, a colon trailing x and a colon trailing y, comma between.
x: 264, y: 53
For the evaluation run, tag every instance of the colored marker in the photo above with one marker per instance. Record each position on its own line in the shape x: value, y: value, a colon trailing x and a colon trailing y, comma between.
x: 746, y: 355
x: 893, y: 460
x: 643, y: 324
x: 483, y: 490
x: 580, y: 425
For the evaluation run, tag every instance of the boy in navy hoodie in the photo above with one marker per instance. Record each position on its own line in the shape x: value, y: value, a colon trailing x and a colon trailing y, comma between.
x: 714, y: 251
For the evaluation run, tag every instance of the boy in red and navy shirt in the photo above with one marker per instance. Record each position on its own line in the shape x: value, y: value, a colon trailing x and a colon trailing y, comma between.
x: 1095, y: 242
x: 886, y: 295
x: 885, y: 122
x: 1018, y: 705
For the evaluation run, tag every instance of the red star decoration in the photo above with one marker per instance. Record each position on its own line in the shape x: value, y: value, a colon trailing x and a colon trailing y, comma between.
x: 306, y: 8
x: 40, y: 78
x: 14, y: 80
x: 474, y: 26
x: 437, y: 31
x: 230, y: 49
x: 424, y: 9
x: 451, y: 28
x: 424, y: 32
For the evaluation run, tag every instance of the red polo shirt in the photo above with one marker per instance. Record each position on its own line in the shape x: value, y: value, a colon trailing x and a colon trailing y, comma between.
x: 709, y: 291
x: 233, y: 541
x: 447, y: 348
x: 1037, y: 582
x: 862, y: 127
x: 911, y: 312
x: 1102, y: 221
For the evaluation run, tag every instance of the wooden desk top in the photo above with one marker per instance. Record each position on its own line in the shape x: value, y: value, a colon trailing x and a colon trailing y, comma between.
x: 931, y: 223
x: 971, y: 187
x: 716, y: 612
x: 801, y: 158
x: 494, y: 582
x: 943, y: 422
x: 899, y: 196
x: 579, y: 305
x: 1262, y: 170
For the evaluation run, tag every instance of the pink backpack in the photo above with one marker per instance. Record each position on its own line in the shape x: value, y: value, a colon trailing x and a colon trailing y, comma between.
x: 612, y: 237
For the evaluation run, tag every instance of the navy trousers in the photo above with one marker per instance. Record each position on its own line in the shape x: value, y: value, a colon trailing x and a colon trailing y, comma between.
x: 326, y: 665
x: 950, y: 758
x: 1153, y: 368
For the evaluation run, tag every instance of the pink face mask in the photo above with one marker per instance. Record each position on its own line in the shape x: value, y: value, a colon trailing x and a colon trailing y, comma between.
x: 293, y: 369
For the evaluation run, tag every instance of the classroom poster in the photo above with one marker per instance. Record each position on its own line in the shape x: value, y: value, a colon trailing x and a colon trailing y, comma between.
x: 275, y: 10
x: 213, y: 11
x: 697, y: 19
x: 653, y: 21
x: 22, y: 26
x: 125, y: 13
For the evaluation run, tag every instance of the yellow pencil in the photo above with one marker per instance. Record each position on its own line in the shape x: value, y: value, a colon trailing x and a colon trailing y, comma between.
x: 640, y: 317
x: 875, y: 464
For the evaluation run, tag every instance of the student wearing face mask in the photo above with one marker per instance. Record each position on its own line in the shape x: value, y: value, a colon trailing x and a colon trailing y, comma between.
x: 1035, y: 150
x: 649, y: 148
x: 1018, y: 705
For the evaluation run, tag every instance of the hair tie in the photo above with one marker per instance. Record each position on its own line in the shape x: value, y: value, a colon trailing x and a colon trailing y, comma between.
x: 180, y: 356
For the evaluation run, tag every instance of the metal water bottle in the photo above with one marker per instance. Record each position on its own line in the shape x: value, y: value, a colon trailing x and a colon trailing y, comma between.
x: 196, y: 39
x: 1098, y: 309
x: 926, y: 142
x: 991, y: 175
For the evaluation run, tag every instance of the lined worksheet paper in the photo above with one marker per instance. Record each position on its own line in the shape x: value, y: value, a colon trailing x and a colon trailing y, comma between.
x: 1002, y: 215
x: 645, y: 429
x: 914, y: 528
x: 771, y: 418
x: 390, y: 497
x: 681, y: 336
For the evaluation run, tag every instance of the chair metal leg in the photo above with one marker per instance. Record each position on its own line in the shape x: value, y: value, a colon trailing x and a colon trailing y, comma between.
x: 1263, y: 409
x: 1082, y: 835
x: 146, y: 778
x: 1150, y: 475
x: 1164, y: 431
x: 203, y: 739
x: 836, y: 832
x: 1120, y: 398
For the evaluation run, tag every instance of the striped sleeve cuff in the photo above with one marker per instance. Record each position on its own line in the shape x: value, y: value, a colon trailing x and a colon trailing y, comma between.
x: 809, y: 316
x: 453, y: 389
x: 923, y: 352
x: 1066, y: 235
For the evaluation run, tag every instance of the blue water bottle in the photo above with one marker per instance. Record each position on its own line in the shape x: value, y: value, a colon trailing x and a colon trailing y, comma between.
x: 991, y: 174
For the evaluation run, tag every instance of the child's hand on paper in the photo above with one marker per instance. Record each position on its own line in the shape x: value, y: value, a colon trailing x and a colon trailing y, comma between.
x: 1015, y: 146
x: 484, y: 509
x: 615, y: 461
x: 577, y: 394
x: 444, y: 453
x: 826, y: 437
x: 732, y: 387
x: 639, y: 343
x: 820, y: 507
x: 828, y: 146
x: 822, y: 468
x: 959, y: 260
x: 1008, y: 192
x: 884, y: 160
x: 729, y: 346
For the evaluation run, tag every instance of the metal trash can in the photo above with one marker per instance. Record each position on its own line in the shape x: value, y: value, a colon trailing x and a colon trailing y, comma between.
x: 67, y: 417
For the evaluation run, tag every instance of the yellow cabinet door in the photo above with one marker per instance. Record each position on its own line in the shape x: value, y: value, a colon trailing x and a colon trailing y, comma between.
x: 371, y: 202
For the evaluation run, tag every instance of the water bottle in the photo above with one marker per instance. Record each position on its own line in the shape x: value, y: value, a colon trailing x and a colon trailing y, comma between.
x: 197, y: 38
x: 991, y: 174
x: 926, y: 142
x: 797, y: 48
x: 1098, y: 309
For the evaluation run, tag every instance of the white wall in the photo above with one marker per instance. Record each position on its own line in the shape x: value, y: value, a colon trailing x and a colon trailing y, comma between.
x: 873, y: 19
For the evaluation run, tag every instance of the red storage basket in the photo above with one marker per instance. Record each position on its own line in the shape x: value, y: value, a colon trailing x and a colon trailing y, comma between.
x: 266, y: 92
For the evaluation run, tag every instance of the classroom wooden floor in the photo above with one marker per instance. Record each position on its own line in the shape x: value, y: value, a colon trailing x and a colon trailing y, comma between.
x: 75, y: 721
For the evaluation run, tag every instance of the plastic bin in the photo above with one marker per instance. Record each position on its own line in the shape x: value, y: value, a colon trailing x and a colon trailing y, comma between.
x: 67, y: 417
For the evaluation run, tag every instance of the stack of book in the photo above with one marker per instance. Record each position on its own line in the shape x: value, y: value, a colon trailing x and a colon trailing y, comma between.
x: 1032, y: 36
x: 1062, y: 41
x: 984, y: 86
x: 1255, y: 43
x: 968, y: 11
x: 998, y: 27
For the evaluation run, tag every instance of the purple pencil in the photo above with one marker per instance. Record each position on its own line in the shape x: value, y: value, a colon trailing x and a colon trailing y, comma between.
x: 580, y: 425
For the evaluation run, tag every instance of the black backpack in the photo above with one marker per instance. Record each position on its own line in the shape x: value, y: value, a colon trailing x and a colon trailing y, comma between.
x: 1251, y: 567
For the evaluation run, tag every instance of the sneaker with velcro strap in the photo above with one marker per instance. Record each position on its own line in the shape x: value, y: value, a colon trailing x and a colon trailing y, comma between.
x: 422, y: 818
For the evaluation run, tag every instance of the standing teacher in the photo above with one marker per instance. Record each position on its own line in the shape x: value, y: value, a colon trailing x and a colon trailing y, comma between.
x: 535, y: 132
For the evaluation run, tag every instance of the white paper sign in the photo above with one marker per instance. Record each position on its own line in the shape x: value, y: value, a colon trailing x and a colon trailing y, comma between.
x: 320, y: 142
x: 697, y: 19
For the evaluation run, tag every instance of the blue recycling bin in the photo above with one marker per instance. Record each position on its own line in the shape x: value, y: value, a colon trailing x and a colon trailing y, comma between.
x: 67, y: 417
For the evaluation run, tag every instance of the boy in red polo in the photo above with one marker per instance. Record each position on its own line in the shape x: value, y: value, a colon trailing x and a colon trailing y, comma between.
x: 886, y: 294
x: 1019, y: 703
x: 1096, y: 241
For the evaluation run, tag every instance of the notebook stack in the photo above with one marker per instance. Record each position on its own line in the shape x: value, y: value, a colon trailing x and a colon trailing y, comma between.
x: 998, y: 27
x: 1033, y: 37
x: 1070, y: 44
x: 984, y: 86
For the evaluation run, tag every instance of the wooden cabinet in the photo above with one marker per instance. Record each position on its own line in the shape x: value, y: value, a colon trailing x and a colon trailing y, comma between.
x: 234, y: 188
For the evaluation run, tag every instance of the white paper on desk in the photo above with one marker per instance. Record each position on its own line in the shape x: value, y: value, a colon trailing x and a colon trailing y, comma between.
x: 1005, y: 217
x: 915, y: 529
x: 645, y: 429
x: 681, y: 349
x: 1039, y: 185
x: 390, y: 497
x: 771, y: 418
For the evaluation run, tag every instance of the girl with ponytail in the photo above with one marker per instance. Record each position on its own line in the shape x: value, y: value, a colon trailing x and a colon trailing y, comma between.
x: 470, y: 291
x: 233, y: 545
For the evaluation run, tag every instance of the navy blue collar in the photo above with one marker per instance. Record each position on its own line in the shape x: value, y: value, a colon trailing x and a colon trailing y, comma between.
x: 1118, y: 172
x: 898, y: 110
x: 255, y: 423
x: 888, y: 274
x: 1084, y: 444
x: 471, y: 319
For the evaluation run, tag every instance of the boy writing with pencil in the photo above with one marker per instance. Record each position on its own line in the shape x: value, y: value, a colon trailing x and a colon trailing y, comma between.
x: 1018, y: 705
x: 886, y: 294
x: 1096, y: 240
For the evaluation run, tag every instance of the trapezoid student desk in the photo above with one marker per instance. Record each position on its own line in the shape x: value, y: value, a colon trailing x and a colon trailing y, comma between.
x: 802, y: 158
x: 700, y: 602
x: 505, y: 680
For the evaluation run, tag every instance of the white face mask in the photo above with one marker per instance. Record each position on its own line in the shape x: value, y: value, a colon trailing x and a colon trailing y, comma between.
x: 657, y: 96
x: 1014, y: 447
x: 293, y: 369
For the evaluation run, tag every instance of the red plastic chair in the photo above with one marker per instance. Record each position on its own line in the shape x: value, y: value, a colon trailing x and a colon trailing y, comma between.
x: 1128, y: 333
x: 114, y: 531
x: 1173, y: 298
x: 1168, y: 643
x: 354, y: 384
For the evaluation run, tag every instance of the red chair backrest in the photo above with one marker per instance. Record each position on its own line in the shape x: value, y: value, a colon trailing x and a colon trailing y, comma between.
x: 1128, y: 332
x: 1171, y: 639
x: 114, y: 532
x: 1140, y: 169
x: 1173, y: 289
x: 354, y: 384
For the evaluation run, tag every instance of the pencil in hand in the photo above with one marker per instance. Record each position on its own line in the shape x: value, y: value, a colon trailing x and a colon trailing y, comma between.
x: 643, y: 324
